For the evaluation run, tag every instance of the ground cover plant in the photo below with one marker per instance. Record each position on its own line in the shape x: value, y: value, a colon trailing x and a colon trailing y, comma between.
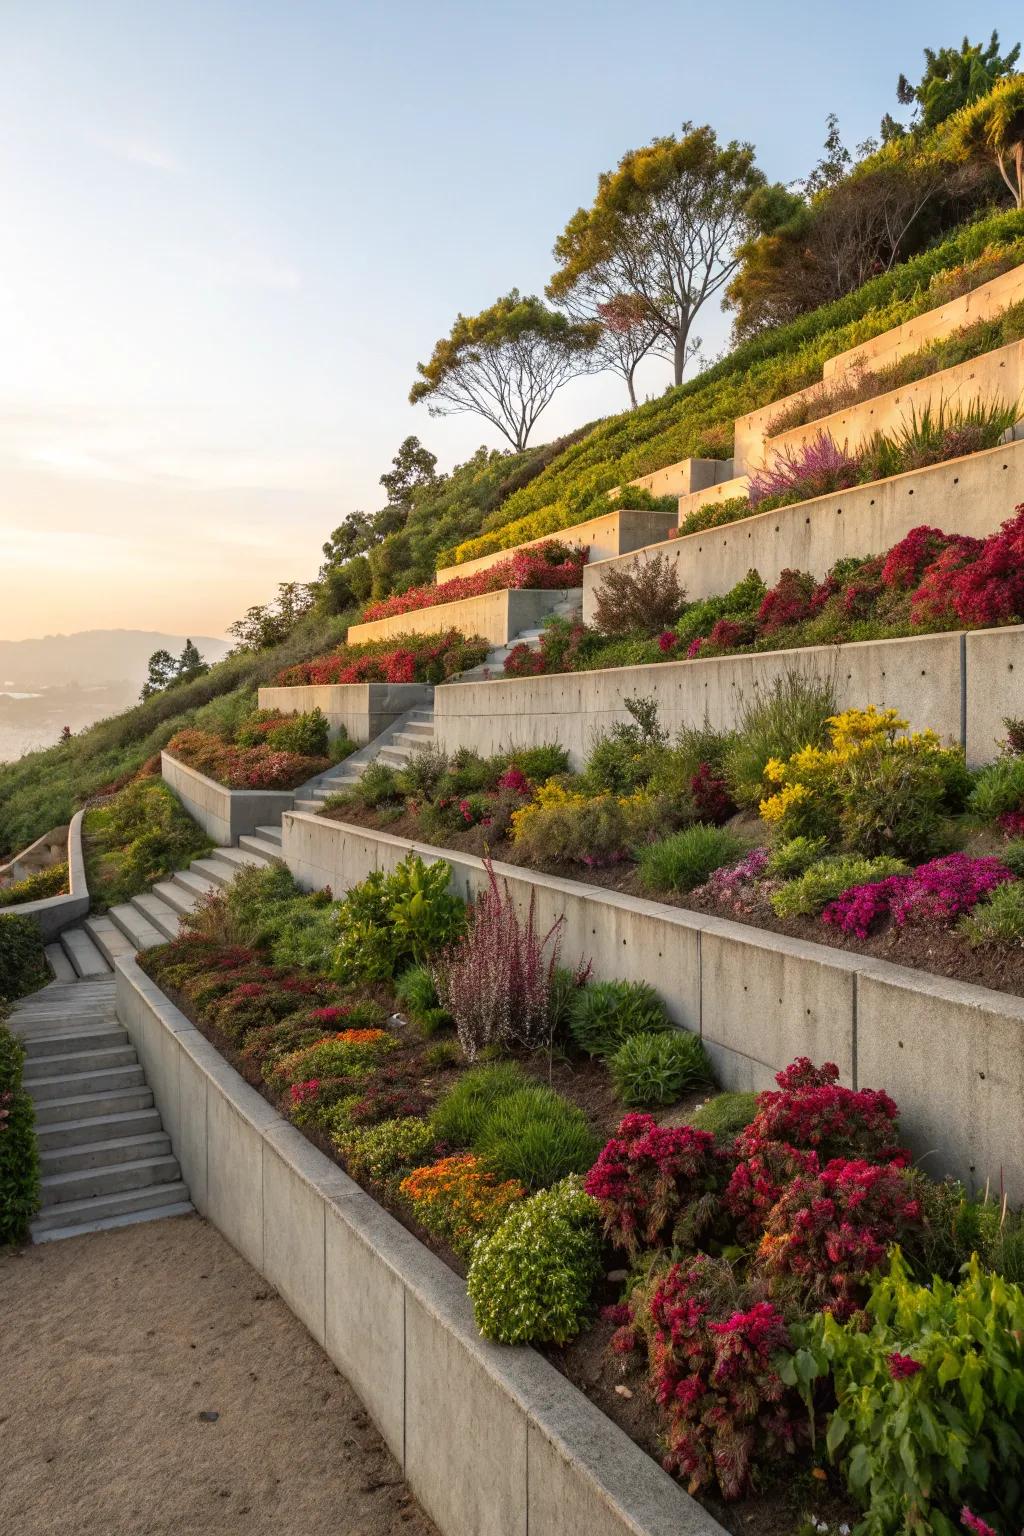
x: 38, y: 886
x: 548, y: 566
x: 403, y: 659
x: 265, y: 750
x: 136, y: 837
x: 22, y: 962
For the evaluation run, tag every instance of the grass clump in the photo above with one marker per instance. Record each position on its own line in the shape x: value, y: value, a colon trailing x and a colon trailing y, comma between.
x: 725, y: 1115
x: 686, y: 859
x: 656, y: 1069
x: 536, y: 1137
x: 606, y: 1013
x: 828, y: 878
x: 1000, y: 919
x: 459, y: 1116
x: 791, y: 714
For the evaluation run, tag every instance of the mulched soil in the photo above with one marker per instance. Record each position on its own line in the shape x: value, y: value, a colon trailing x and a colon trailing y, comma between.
x: 933, y: 950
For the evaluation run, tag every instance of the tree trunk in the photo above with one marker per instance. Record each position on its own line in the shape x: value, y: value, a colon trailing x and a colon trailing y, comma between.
x: 629, y: 385
x: 679, y: 353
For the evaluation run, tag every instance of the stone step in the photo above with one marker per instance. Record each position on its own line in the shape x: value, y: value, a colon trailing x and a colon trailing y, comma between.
x: 89, y: 1106
x: 218, y: 871
x: 108, y: 937
x: 418, y: 728
x: 59, y: 963
x: 269, y: 852
x: 71, y: 1041
x: 85, y: 1183
x: 78, y: 1085
x: 412, y: 743
x: 83, y: 953
x: 194, y: 882
x: 242, y: 858
x: 417, y: 716
x: 397, y: 757
x: 75, y: 1133
x: 165, y: 919
x: 312, y: 806
x: 76, y: 995
x: 176, y: 897
x: 47, y: 1016
x: 104, y: 1154
x: 136, y: 926
x: 98, y: 1058
x: 97, y: 1208
x: 270, y: 834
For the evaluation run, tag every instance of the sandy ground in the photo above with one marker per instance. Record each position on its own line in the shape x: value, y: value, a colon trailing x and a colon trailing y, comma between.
x: 114, y: 1346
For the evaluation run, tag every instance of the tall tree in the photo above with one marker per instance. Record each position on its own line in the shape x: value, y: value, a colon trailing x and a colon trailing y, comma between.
x: 664, y: 227
x: 953, y: 78
x: 505, y: 364
x: 412, y: 466
x: 165, y: 669
x: 993, y: 129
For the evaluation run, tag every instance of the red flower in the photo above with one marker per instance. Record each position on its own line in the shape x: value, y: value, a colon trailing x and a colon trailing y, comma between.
x: 901, y: 1367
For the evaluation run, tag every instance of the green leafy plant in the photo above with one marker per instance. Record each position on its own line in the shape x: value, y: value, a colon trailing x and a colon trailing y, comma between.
x: 607, y: 1013
x: 791, y: 858
x: 416, y: 991
x: 383, y: 1154
x: 687, y: 858
x: 532, y: 1279
x: 19, y: 1155
x: 725, y: 1115
x: 826, y: 879
x: 390, y: 921
x: 536, y: 1136
x: 792, y: 713
x: 22, y: 962
x: 657, y: 1069
x: 998, y: 788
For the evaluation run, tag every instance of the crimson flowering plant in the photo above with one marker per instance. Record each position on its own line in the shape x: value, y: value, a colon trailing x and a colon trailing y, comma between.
x: 541, y: 567
x: 653, y: 1182
x: 936, y: 892
x: 813, y: 1112
x: 407, y: 659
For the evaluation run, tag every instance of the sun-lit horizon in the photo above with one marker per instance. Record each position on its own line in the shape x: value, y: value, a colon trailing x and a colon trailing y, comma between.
x: 230, y: 234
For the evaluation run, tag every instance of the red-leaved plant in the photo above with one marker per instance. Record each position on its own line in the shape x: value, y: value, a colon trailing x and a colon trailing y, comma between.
x: 651, y: 1181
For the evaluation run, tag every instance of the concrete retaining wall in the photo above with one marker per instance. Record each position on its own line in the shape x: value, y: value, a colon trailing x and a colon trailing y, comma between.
x: 951, y: 1055
x: 617, y: 533
x: 970, y: 495
x: 55, y: 913
x: 361, y: 710
x: 686, y: 476
x: 493, y: 1441
x: 223, y: 814
x: 725, y: 490
x: 496, y: 616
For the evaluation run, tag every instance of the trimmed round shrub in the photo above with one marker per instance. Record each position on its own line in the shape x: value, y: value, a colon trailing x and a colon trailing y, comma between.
x: 656, y: 1069
x: 606, y: 1013
x: 531, y: 1280
x: 725, y: 1115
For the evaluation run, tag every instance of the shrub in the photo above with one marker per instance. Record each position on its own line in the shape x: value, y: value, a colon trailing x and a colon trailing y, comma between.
x: 22, y: 962
x: 238, y: 767
x: 934, y: 893
x: 1000, y: 919
x: 140, y: 836
x: 811, y: 1111
x: 305, y: 734
x: 460, y: 1114
x: 725, y: 1115
x: 546, y: 566
x: 641, y: 598
x: 812, y: 469
x: 561, y: 825
x: 19, y: 1156
x: 416, y: 991
x: 536, y: 1137
x: 391, y: 921
x: 687, y: 858
x: 405, y: 659
x: 457, y: 1200
x: 607, y: 1013
x: 657, y: 1069
x: 998, y: 788
x: 52, y: 881
x: 656, y: 1185
x: 928, y: 1403
x: 540, y: 763
x: 336, y: 1055
x: 792, y: 713
x: 383, y: 1154
x: 496, y: 981
x: 738, y: 887
x: 826, y: 879
x: 795, y: 856
x: 531, y: 1279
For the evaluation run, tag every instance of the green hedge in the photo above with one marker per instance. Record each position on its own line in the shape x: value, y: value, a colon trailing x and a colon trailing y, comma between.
x: 19, y: 1154
x: 22, y: 961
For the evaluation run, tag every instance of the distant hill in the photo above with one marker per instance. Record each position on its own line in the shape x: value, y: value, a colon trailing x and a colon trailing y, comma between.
x: 91, y: 658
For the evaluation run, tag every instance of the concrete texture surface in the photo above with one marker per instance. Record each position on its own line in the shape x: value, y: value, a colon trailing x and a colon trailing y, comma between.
x: 223, y: 814
x: 614, y: 534
x: 495, y: 616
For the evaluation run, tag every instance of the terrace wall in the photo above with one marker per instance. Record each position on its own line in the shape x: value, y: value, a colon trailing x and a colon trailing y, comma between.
x: 224, y: 814
x: 361, y: 710
x: 495, y: 616
x: 617, y: 533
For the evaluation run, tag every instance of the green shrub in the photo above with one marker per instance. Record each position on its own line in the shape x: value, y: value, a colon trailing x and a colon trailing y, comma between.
x: 657, y: 1069
x: 536, y: 1136
x: 22, y: 962
x: 391, y: 921
x: 687, y: 858
x: 377, y: 785
x: 826, y: 879
x: 19, y: 1155
x: 894, y: 803
x: 999, y: 787
x: 416, y: 991
x: 383, y: 1154
x: 531, y: 1280
x: 725, y: 1115
x: 607, y: 1013
x: 460, y: 1113
x: 1012, y: 855
x: 540, y: 763
x: 999, y: 919
x: 791, y: 714
x: 918, y: 1443
x: 794, y: 856
x: 140, y: 836
x: 42, y: 883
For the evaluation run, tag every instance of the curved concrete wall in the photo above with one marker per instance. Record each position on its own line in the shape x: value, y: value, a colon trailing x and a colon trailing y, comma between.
x: 492, y: 1441
x: 496, y: 616
x: 970, y: 495
x: 617, y: 533
x: 55, y: 913
x: 361, y: 710
x: 951, y: 1055
x: 224, y: 814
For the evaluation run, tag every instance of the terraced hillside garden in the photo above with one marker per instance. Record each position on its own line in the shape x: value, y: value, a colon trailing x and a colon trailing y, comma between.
x: 265, y: 750
x: 545, y: 567
x: 134, y: 838
x: 404, y: 659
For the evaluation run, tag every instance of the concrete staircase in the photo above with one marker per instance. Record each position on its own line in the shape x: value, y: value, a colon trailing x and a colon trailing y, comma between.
x: 414, y: 730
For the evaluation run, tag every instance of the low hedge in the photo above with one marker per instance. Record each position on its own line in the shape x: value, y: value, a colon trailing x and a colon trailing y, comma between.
x: 19, y: 1154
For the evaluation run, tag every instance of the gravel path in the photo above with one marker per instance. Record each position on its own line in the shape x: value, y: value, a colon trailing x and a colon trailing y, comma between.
x: 151, y: 1382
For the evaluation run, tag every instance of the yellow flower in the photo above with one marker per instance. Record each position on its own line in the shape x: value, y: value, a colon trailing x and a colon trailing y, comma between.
x: 775, y: 808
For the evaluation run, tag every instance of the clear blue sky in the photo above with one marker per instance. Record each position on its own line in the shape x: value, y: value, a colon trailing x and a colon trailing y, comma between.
x: 232, y: 227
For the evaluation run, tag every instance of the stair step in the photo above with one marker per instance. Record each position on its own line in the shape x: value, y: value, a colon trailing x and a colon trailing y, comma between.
x: 76, y: 1085
x: 176, y: 897
x: 217, y: 871
x: 108, y: 938
x: 83, y: 953
x: 98, y: 1059
x: 104, y: 1154
x: 270, y: 834
x: 85, y: 1183
x: 136, y: 926
x: 270, y: 852
x: 244, y: 858
x: 396, y: 756
x: 77, y: 1132
x: 194, y: 882
x: 127, y: 1202
x: 59, y: 963
x: 423, y: 728
x: 110, y: 1223
x: 412, y: 743
x: 309, y: 805
x: 84, y: 1106
x: 71, y: 1041
x: 164, y: 918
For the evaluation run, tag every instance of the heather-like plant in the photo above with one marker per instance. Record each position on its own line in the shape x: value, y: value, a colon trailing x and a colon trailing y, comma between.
x: 937, y: 892
x: 737, y: 887
x: 607, y: 1013
x: 496, y: 982
x: 641, y: 598
x: 657, y: 1069
x: 656, y: 1185
x: 797, y: 474
x: 531, y: 1279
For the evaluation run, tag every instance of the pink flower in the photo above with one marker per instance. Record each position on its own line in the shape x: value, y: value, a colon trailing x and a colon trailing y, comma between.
x: 975, y: 1523
x: 902, y: 1366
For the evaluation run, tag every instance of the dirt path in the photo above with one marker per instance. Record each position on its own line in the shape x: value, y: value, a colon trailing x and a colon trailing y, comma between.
x: 117, y: 1350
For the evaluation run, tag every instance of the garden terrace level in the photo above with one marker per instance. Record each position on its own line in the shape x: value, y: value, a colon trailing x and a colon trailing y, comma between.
x: 971, y: 495
x: 616, y: 533
x: 52, y: 914
x: 494, y: 616
x: 951, y: 1054
x: 359, y: 710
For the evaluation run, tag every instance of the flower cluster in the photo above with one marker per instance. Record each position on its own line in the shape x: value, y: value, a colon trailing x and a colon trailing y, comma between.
x: 541, y: 566
x: 936, y: 893
x: 262, y: 767
x: 650, y: 1180
x: 458, y: 1199
x: 410, y: 659
x: 813, y: 1111
x: 738, y: 887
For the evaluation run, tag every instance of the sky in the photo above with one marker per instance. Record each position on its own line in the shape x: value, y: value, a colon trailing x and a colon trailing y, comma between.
x: 231, y: 228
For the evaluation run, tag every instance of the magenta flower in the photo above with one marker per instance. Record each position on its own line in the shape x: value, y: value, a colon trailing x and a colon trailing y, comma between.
x: 902, y: 1366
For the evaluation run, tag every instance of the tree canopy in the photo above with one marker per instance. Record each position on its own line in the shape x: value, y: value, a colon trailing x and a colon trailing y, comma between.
x: 505, y: 364
x: 993, y: 128
x: 953, y: 78
x: 412, y: 466
x: 165, y: 669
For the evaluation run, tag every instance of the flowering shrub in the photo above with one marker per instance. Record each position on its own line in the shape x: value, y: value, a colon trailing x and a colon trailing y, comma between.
x: 543, y: 567
x: 458, y: 1199
x: 712, y: 799
x: 976, y: 583
x: 813, y: 469
x: 788, y: 602
x: 406, y: 659
x: 259, y: 767
x: 813, y: 1112
x: 830, y: 1229
x: 334, y: 1056
x: 936, y: 892
x: 654, y: 1182
x: 384, y: 1153
x: 737, y: 887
